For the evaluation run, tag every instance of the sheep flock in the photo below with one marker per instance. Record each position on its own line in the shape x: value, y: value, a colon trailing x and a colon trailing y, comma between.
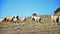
x: 34, y: 17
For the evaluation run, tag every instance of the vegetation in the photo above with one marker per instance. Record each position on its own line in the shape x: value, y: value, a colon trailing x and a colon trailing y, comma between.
x: 28, y: 27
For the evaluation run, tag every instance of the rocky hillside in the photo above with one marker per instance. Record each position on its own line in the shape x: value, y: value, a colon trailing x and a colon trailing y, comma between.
x: 45, y: 26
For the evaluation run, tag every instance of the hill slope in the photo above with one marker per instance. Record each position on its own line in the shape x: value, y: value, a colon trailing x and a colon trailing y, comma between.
x: 29, y: 27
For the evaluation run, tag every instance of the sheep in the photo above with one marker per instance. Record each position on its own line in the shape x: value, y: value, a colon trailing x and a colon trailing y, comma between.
x: 8, y: 18
x: 33, y: 18
x: 54, y: 18
x: 17, y: 17
x: 14, y: 19
x: 23, y: 19
x: 59, y: 18
x: 1, y: 19
x: 36, y: 18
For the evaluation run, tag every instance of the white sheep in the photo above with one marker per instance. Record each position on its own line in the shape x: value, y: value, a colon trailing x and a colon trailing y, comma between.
x: 54, y: 18
x: 8, y: 18
x: 59, y: 18
x: 15, y: 20
x: 23, y: 19
x: 1, y: 19
x: 36, y: 18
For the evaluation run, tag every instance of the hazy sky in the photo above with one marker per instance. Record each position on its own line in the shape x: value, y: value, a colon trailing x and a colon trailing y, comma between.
x: 27, y: 7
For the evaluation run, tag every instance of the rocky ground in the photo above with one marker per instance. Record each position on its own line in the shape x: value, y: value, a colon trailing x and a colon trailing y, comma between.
x: 29, y: 27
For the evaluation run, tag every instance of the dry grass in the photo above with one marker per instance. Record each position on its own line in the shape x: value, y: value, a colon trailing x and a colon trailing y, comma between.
x: 28, y: 27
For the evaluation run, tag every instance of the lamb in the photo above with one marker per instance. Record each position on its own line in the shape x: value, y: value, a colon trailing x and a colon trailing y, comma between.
x: 36, y: 18
x: 54, y: 18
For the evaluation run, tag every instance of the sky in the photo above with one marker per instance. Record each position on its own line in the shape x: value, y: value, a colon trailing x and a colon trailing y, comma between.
x: 25, y: 8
